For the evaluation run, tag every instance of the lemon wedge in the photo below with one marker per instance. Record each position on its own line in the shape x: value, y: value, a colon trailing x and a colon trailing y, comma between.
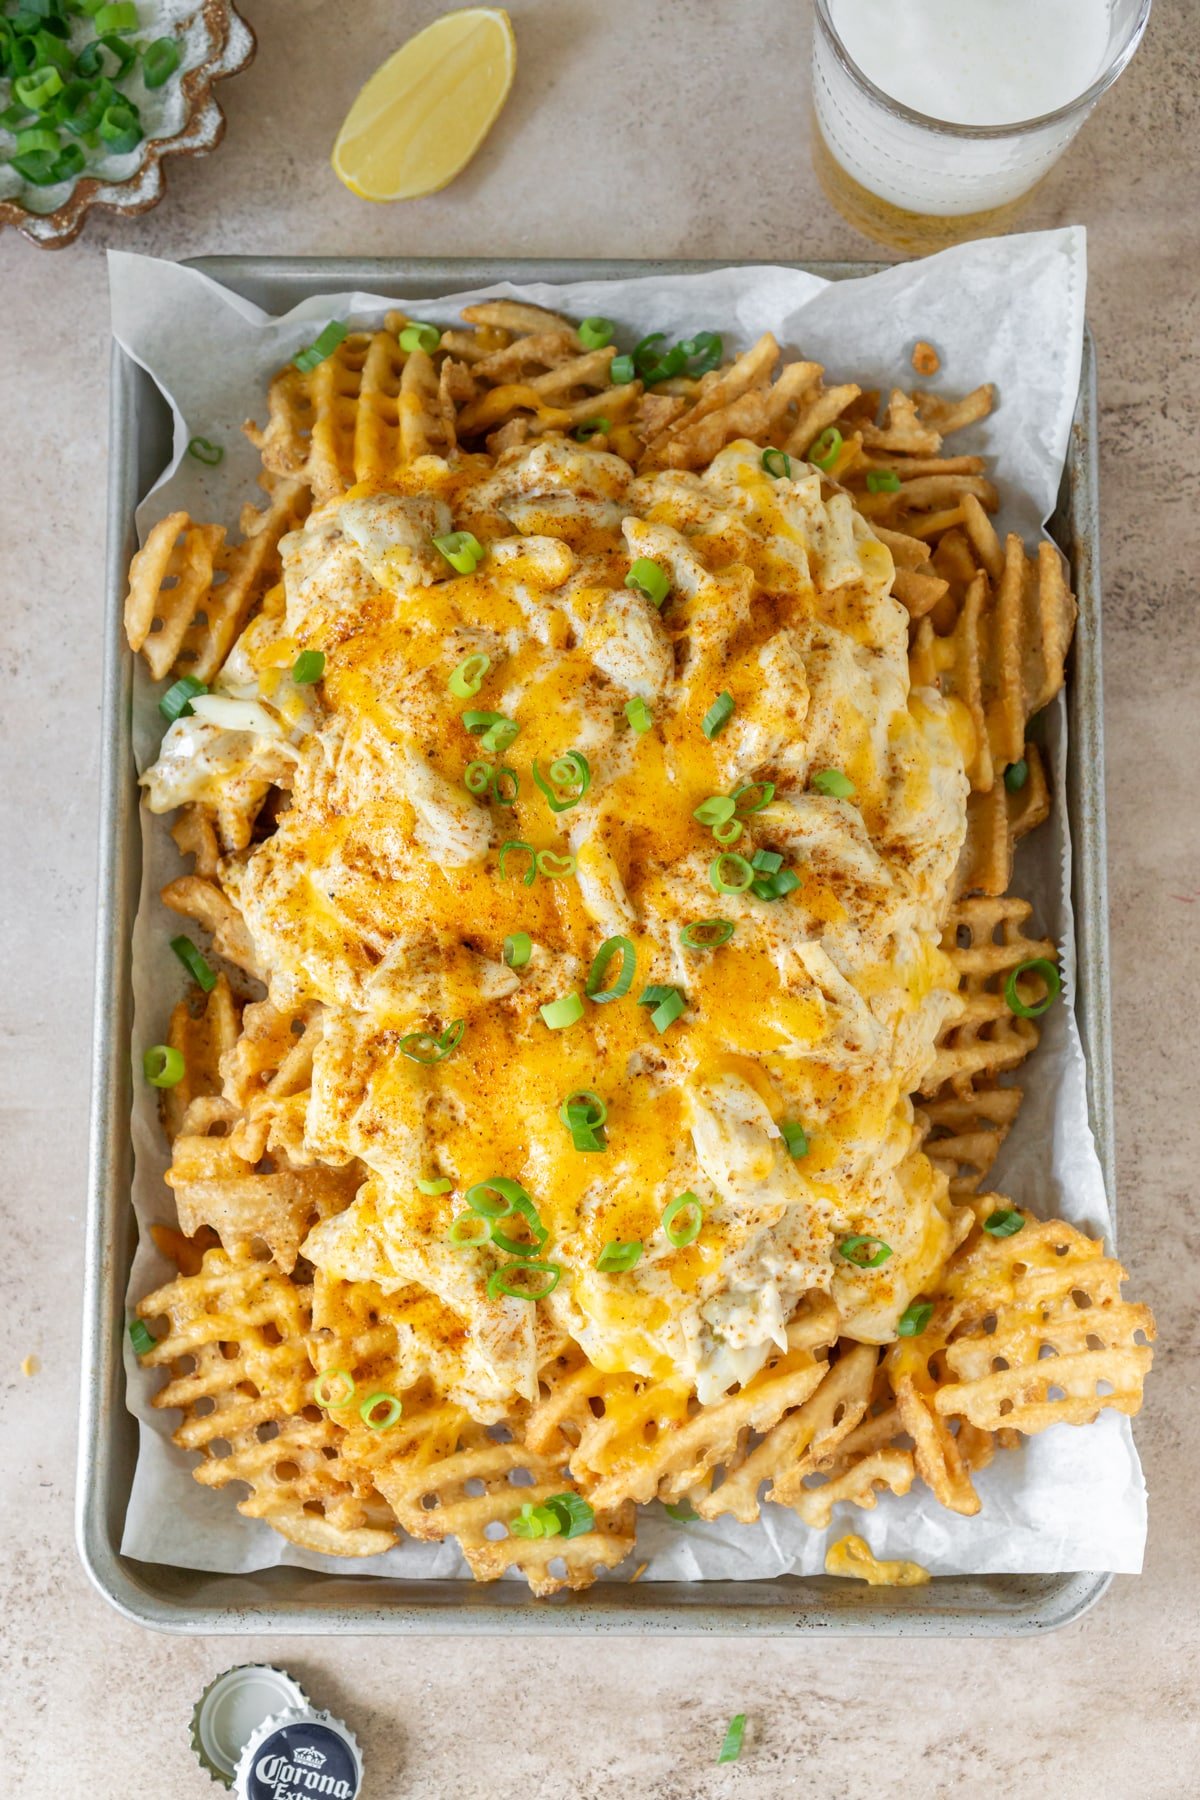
x: 425, y: 111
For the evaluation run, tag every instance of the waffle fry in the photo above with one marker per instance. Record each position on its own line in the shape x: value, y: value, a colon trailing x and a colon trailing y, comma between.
x: 1025, y: 1331
x: 239, y: 1372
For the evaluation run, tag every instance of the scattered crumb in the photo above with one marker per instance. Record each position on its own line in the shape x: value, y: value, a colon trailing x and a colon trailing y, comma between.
x: 30, y: 1366
x: 638, y: 1573
x: 925, y: 359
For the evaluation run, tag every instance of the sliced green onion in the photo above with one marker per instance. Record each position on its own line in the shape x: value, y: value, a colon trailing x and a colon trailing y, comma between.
x: 708, y: 347
x: 176, y: 703
x: 730, y: 873
x: 1005, y: 1223
x: 621, y: 370
x: 645, y: 351
x: 611, y: 947
x: 424, y: 1047
x: 205, y: 452
x: 639, y: 714
x: 1016, y: 775
x: 728, y: 833
x: 194, y: 963
x: 715, y: 810
x: 1037, y: 965
x: 467, y: 678
x: 864, y: 1252
x: 534, y: 1522
x: 510, y: 848
x: 766, y: 862
x: 777, y: 463
x: 495, y: 732
x: 506, y: 785
x: 511, y: 1279
x: 682, y: 1511
x: 321, y: 347
x: 37, y: 139
x: 90, y: 61
x: 496, y: 1198
x: 574, y: 1514
x: 119, y: 17
x: 160, y: 61
x: 477, y: 778
x: 833, y: 783
x: 583, y: 1106
x: 559, y: 1014
x: 554, y: 866
x: 774, y: 887
x: 141, y: 1337
x: 469, y: 1232
x: 617, y: 1258
x: 673, y: 363
x: 595, y: 333
x: 706, y: 934
x: 434, y: 1184
x: 163, y: 1066
x: 794, y: 1136
x: 34, y: 91
x: 882, y: 481
x: 571, y: 772
x: 461, y: 549
x: 588, y: 1138
x: 418, y: 336
x: 682, y: 1218
x: 368, y: 1411
x: 914, y: 1318
x: 826, y: 449
x: 334, y: 1388
x: 762, y: 793
x: 718, y: 716
x: 308, y: 667
x: 517, y: 949
x: 522, y: 1207
x: 591, y: 428
x: 668, y: 1004
x: 650, y: 579
x: 731, y: 1749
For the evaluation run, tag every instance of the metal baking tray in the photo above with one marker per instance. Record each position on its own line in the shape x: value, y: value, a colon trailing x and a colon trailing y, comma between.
x: 294, y: 1600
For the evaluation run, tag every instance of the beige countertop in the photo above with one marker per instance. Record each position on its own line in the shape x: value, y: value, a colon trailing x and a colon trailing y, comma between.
x: 636, y: 128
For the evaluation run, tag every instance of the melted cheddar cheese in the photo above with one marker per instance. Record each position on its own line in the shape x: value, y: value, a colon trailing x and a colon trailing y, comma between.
x: 380, y: 895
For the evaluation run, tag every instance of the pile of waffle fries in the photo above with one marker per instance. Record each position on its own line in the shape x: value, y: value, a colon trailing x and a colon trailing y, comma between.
x: 1025, y: 1329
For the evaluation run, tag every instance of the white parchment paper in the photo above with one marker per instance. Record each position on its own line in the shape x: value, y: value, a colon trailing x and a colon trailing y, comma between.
x: 1008, y: 311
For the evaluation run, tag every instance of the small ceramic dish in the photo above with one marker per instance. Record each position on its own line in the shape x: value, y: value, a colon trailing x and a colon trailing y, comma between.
x: 217, y: 43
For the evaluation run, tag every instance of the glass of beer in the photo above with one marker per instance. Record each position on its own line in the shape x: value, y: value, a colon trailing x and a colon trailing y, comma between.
x: 934, y: 120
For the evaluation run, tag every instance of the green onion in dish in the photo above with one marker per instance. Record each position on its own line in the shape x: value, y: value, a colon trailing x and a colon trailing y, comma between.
x: 560, y: 1014
x: 121, y: 16
x: 682, y: 1218
x: 322, y: 346
x: 766, y: 862
x: 794, y: 1136
x: 1052, y: 980
x: 334, y: 1388
x: 477, y: 778
x: 730, y: 873
x: 774, y: 887
x: 1005, y: 1223
x: 418, y: 336
x: 833, y: 783
x: 534, y: 1522
x: 731, y: 1749
x: 704, y: 351
x: 197, y: 967
x: 495, y: 732
x: 611, y: 947
x: 434, y: 1184
x: 163, y: 1066
x: 308, y: 667
x: 716, y: 810
x: 761, y: 795
x: 914, y: 1318
x: 141, y: 1337
x: 506, y: 785
x: 574, y: 1514
x: 864, y: 1252
x: 160, y: 61
x: 518, y: 948
x: 510, y: 849
x: 617, y: 1258
x: 467, y: 678
x: 728, y: 833
x: 649, y: 579
x: 591, y: 428
x: 596, y: 333
x: 553, y: 866
x: 522, y: 1207
x: 777, y: 463
x: 682, y: 1511
x: 583, y: 1106
x: 706, y: 934
x: 569, y: 772
x: 718, y: 716
x: 528, y: 1279
x: 425, y: 1047
x: 639, y: 714
x: 621, y: 370
x: 461, y: 549
x: 205, y: 452
x: 1016, y: 775
x: 371, y: 1416
x: 668, y: 1004
x: 176, y: 703
x: 883, y: 481
x: 469, y: 1232
x: 826, y: 449
x: 497, y: 1197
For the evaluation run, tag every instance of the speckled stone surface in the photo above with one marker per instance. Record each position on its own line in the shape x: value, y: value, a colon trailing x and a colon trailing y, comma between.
x: 636, y: 128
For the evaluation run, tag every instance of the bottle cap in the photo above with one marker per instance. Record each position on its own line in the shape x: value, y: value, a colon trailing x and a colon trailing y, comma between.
x: 298, y: 1753
x: 231, y: 1709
